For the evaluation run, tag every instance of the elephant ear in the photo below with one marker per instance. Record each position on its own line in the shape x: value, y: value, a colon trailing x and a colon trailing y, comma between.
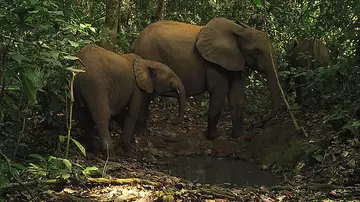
x: 217, y: 42
x: 143, y: 74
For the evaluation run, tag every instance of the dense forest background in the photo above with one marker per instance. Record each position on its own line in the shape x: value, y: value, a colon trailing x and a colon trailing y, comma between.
x: 39, y: 40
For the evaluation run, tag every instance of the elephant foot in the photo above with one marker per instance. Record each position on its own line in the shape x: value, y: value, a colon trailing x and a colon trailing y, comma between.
x: 127, y: 147
x: 112, y: 155
x: 128, y: 151
x: 210, y: 135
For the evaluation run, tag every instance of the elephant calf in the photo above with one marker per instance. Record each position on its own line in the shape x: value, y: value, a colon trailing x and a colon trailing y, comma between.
x: 307, y: 55
x: 113, y: 86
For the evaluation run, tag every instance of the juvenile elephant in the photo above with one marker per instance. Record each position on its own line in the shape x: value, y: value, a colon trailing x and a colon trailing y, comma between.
x: 211, y: 58
x: 306, y: 55
x: 113, y: 86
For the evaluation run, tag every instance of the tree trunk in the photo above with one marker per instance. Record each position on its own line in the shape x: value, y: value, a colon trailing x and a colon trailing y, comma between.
x: 109, y: 32
x: 159, y: 10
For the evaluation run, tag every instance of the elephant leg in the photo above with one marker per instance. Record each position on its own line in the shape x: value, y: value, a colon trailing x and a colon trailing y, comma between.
x: 141, y: 123
x: 218, y: 88
x: 87, y: 125
x: 300, y: 90
x: 236, y: 97
x: 119, y: 119
x: 130, y: 121
x: 100, y: 113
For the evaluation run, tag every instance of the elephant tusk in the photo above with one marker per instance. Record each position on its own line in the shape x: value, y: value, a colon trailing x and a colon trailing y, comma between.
x: 178, y: 91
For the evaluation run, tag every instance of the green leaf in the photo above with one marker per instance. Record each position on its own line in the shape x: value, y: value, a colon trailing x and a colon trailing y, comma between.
x: 56, y: 12
x: 355, y: 124
x: 13, y: 88
x: 257, y: 3
x: 32, y: 2
x: 203, y: 104
x: 65, y: 176
x: 73, y: 43
x: 62, y: 138
x: 51, y: 158
x: 18, y: 166
x: 37, y: 156
x: 33, y: 12
x: 92, y: 29
x: 91, y: 171
x: 67, y: 163
x: 75, y: 70
x: 81, y: 148
x: 70, y: 57
x: 318, y: 157
x: 50, y: 55
x: 29, y: 19
x: 28, y: 78
x: 17, y: 57
x: 34, y: 165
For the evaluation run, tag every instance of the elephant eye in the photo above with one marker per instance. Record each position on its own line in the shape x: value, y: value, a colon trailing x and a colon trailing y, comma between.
x: 152, y: 74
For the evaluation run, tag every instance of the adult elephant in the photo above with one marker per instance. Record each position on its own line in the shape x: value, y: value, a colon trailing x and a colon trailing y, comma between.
x: 113, y: 85
x: 308, y: 54
x: 213, y: 58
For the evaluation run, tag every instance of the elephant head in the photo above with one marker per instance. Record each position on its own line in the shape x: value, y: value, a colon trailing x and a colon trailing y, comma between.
x: 154, y: 76
x: 234, y: 46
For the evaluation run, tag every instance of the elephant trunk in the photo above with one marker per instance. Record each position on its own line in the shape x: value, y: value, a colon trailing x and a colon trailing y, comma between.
x: 274, y: 93
x: 181, y: 95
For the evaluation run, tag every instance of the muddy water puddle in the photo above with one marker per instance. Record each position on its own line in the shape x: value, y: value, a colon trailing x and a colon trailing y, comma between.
x: 220, y: 171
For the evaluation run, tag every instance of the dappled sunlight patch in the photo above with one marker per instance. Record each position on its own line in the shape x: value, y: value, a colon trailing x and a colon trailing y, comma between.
x: 122, y: 193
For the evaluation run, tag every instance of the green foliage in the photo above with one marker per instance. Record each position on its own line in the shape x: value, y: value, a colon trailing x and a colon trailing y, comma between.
x: 39, y: 39
x: 78, y: 145
x: 57, y: 168
x: 8, y: 170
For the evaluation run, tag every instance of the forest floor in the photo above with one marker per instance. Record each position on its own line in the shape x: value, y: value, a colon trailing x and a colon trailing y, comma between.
x: 322, y: 165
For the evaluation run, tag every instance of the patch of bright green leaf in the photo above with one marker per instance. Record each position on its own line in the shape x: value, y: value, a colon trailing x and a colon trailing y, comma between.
x: 258, y: 3
x: 91, y: 171
x: 73, y: 43
x: 81, y: 148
